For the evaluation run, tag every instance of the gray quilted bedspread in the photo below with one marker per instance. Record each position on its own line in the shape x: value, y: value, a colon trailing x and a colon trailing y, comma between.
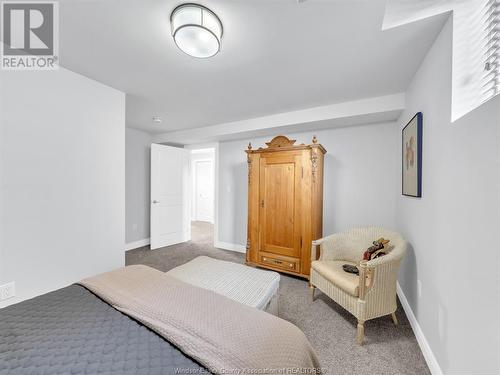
x: 71, y: 331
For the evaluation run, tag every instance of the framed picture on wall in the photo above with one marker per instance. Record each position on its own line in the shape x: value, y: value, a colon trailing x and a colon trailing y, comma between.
x: 412, y: 157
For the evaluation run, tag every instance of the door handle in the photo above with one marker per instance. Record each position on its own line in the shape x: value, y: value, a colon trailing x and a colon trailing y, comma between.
x: 155, y: 201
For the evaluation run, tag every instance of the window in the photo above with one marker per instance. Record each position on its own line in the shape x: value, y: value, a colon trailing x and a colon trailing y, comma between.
x: 491, y: 84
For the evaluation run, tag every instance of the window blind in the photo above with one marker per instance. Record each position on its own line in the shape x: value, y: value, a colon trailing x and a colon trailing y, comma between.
x: 491, y: 79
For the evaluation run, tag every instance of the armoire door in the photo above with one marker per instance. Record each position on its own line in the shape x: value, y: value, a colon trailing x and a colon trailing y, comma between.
x: 279, y: 213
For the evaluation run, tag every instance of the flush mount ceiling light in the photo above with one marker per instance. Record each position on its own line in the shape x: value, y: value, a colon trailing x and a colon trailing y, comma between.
x: 196, y: 30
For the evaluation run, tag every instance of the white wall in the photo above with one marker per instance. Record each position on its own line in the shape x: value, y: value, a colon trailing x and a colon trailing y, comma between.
x: 454, y: 228
x: 359, y: 181
x: 137, y: 189
x: 62, y: 179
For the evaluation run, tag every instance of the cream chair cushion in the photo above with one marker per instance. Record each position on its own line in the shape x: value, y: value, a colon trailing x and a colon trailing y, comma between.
x: 333, y: 271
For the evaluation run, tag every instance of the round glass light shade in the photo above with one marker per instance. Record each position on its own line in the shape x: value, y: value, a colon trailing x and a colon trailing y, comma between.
x: 196, y: 30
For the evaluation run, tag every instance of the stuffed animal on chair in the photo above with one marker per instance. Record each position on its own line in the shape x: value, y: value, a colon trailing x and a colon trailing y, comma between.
x: 372, y: 252
x: 375, y: 251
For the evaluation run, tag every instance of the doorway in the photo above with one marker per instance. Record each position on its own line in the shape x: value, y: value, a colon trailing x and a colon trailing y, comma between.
x: 202, y: 162
x: 203, y: 189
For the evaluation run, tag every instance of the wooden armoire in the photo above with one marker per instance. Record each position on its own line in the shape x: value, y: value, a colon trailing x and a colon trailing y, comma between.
x: 285, y: 204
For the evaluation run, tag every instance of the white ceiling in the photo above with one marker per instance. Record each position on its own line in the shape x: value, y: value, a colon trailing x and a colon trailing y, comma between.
x: 277, y: 56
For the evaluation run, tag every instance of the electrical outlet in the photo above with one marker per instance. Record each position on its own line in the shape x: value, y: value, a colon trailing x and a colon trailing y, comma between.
x: 7, y: 291
x: 419, y: 289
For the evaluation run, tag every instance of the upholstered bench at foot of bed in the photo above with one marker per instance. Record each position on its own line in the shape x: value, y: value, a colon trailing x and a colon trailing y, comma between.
x: 247, y: 285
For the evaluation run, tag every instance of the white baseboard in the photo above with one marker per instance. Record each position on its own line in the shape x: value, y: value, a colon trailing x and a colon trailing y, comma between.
x: 419, y: 334
x: 136, y: 244
x: 230, y: 246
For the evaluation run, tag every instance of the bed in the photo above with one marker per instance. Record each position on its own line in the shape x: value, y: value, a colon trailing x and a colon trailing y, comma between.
x: 138, y: 320
x: 73, y: 331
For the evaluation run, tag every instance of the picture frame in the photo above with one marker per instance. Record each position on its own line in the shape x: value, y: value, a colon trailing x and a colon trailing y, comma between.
x: 411, y: 167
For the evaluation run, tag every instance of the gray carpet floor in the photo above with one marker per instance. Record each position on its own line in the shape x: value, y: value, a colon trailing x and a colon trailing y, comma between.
x: 388, y: 349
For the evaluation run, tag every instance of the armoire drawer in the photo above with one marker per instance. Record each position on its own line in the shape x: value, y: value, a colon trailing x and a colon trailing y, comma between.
x: 284, y: 263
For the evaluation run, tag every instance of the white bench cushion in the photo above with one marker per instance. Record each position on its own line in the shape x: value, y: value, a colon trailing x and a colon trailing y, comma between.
x: 247, y: 285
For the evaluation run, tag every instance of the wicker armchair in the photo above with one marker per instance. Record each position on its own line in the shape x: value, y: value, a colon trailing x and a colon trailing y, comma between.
x: 371, y: 294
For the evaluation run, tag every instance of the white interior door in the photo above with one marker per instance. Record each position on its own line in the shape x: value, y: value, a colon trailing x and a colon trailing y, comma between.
x: 204, y: 190
x: 170, y: 219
